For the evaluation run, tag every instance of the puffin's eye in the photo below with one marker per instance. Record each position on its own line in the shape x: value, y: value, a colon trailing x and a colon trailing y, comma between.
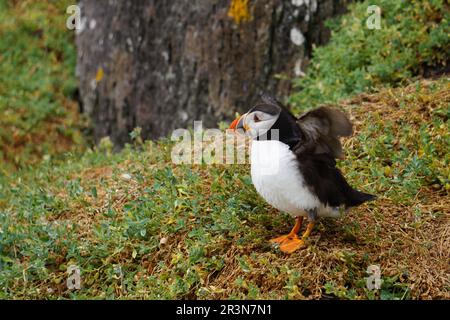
x: 256, y: 118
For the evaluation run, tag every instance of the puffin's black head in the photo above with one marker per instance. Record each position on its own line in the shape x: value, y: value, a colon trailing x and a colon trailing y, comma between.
x: 268, y: 120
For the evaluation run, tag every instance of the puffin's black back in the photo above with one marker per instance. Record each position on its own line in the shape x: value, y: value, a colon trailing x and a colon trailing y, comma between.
x: 288, y: 131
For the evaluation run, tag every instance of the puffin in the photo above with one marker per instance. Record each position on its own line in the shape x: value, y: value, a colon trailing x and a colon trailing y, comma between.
x: 293, y: 164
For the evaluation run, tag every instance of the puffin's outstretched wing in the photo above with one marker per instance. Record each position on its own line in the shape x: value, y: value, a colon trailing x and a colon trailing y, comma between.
x: 322, y: 128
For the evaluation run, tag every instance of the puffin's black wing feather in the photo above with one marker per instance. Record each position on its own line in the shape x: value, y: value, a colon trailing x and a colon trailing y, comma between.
x: 322, y: 128
x: 327, y: 182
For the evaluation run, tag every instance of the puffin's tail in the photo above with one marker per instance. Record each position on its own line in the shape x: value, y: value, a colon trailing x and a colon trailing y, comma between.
x: 355, y: 198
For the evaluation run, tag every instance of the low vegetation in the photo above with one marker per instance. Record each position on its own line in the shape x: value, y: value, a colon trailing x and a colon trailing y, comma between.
x: 39, y: 117
x: 139, y: 226
x: 413, y: 40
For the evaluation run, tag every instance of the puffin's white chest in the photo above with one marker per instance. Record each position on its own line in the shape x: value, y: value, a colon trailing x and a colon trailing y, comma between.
x: 277, y: 178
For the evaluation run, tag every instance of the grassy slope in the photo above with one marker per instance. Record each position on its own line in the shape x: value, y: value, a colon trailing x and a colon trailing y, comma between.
x: 89, y: 212
x: 37, y: 59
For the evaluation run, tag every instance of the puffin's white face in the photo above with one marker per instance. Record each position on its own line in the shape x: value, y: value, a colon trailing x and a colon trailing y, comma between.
x: 255, y: 123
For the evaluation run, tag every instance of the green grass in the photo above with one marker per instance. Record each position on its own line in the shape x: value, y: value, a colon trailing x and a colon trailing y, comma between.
x: 139, y: 226
x: 414, y: 37
x: 106, y: 211
x: 37, y: 82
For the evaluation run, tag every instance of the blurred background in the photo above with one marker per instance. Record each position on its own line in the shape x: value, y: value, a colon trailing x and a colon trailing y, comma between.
x: 161, y: 65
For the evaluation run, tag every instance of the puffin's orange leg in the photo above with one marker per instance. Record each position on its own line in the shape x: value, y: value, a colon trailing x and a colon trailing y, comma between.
x: 290, y: 235
x: 308, y: 230
x: 294, y: 243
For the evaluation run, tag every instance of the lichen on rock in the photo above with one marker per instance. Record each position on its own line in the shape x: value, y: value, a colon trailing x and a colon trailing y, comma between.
x: 239, y: 11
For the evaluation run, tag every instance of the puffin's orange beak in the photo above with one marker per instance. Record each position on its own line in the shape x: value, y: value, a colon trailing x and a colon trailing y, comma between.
x: 234, y: 123
x: 237, y: 123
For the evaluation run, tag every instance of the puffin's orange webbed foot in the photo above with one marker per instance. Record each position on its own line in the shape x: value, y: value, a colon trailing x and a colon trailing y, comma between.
x: 292, y: 244
x: 281, y: 239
